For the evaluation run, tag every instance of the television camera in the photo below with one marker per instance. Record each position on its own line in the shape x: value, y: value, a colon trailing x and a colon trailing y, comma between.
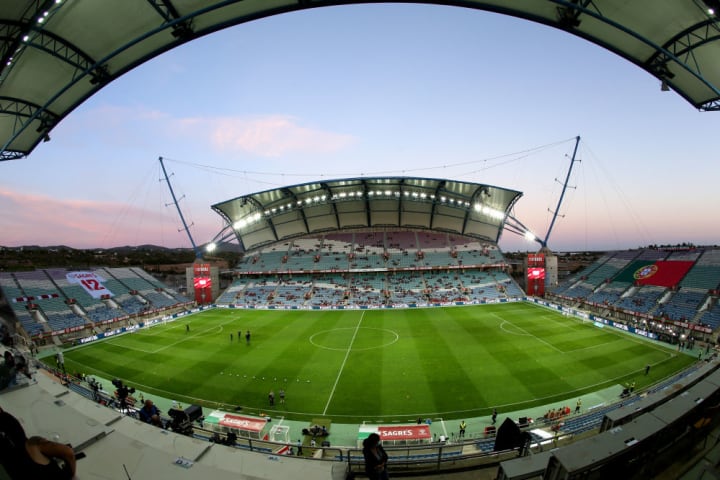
x: 95, y: 387
x: 182, y: 420
x: 94, y: 384
x: 122, y: 392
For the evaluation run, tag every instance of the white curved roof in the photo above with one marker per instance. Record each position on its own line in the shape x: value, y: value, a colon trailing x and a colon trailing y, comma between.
x: 54, y: 54
x: 462, y: 208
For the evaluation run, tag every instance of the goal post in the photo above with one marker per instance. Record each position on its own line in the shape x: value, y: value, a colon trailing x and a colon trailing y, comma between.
x: 280, y: 434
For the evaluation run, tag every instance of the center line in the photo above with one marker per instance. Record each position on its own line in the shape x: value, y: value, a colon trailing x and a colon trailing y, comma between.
x: 347, y: 354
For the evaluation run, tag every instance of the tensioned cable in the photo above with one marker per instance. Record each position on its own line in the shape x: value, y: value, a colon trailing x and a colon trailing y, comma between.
x: 517, y: 156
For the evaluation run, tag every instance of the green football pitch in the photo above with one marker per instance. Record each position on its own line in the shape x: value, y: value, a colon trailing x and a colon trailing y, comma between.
x: 389, y: 364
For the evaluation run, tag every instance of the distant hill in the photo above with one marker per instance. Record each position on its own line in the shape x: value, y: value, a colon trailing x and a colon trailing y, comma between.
x: 30, y: 257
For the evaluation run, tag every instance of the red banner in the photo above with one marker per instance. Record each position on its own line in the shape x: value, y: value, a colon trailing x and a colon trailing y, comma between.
x: 243, y: 423
x: 405, y: 432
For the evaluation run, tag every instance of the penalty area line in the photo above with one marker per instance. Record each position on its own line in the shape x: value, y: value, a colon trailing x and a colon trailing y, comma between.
x: 342, y: 366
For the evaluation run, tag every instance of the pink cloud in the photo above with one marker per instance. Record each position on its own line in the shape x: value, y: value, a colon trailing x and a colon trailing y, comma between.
x: 30, y: 219
x: 263, y: 135
x: 266, y: 136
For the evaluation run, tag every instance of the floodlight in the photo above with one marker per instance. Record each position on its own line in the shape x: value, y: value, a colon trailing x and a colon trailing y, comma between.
x: 211, y: 246
x: 529, y: 236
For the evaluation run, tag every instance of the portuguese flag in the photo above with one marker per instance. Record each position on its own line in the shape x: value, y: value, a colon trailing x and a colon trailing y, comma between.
x: 662, y: 273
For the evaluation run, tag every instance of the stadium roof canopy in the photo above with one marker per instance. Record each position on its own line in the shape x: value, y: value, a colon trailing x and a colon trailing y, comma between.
x: 461, y: 208
x: 54, y: 54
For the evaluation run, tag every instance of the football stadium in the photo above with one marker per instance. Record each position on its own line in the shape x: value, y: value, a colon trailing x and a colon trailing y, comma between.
x: 360, y: 306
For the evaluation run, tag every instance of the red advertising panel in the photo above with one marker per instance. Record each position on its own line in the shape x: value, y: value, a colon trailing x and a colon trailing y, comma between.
x: 201, y: 270
x: 243, y: 423
x: 404, y: 432
x: 536, y: 260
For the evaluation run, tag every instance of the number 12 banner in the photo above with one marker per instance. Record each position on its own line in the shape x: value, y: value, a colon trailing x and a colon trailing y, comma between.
x: 91, y: 282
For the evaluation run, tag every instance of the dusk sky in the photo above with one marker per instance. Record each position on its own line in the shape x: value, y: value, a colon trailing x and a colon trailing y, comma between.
x: 369, y: 90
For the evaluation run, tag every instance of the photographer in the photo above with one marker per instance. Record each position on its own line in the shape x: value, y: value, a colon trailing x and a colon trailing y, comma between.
x: 95, y: 387
x: 122, y: 394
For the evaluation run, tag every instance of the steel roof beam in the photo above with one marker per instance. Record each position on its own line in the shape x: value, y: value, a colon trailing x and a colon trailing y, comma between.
x: 329, y: 193
x: 182, y: 29
x: 401, y: 186
x: 660, y: 50
x: 368, y: 217
x: 568, y: 16
x: 15, y: 32
x: 301, y: 208
x: 22, y: 108
x: 713, y: 106
x: 261, y: 208
x: 681, y: 46
x: 53, y: 45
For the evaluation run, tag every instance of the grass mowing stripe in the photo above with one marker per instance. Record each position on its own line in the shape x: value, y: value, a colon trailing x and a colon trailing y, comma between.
x: 342, y: 366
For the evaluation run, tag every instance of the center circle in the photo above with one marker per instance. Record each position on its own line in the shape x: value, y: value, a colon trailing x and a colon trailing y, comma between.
x: 362, y: 338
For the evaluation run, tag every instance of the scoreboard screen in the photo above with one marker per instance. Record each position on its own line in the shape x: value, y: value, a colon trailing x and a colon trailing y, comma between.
x: 536, y: 273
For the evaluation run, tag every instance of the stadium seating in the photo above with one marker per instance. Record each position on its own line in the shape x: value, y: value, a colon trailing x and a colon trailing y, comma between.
x: 642, y: 299
x: 682, y: 305
x: 61, y: 306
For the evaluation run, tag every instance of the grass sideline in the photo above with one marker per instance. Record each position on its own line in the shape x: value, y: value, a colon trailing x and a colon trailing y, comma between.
x: 377, y: 365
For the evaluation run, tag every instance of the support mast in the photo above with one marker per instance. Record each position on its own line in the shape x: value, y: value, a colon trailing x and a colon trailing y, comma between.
x: 562, y: 194
x: 198, y: 253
